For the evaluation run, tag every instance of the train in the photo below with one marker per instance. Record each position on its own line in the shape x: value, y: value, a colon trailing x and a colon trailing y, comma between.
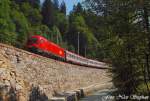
x: 39, y: 44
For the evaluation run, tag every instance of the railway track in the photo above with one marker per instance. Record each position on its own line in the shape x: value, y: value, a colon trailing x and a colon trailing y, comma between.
x: 8, y: 47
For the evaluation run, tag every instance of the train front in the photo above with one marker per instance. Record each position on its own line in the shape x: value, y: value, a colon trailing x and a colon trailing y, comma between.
x: 40, y: 44
x: 32, y: 43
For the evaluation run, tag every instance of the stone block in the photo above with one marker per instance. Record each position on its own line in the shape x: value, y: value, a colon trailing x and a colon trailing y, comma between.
x: 78, y: 93
x: 71, y: 96
x: 58, y: 99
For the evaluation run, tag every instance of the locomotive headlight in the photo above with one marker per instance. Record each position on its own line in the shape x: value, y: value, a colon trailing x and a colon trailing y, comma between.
x: 60, y: 52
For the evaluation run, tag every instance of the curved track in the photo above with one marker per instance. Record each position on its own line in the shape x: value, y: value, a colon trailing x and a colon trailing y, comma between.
x: 37, y: 55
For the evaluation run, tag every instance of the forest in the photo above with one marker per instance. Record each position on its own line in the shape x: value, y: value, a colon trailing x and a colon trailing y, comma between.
x: 114, y: 31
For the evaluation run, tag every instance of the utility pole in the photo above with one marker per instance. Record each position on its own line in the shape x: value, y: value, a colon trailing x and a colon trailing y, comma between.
x: 78, y: 42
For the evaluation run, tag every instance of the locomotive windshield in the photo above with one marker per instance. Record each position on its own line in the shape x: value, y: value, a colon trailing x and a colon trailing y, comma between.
x: 33, y: 40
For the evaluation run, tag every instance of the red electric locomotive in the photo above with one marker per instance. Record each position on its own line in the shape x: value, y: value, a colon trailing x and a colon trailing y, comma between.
x: 40, y: 44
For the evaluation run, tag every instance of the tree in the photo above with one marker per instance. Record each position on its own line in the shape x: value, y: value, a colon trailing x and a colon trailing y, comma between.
x: 7, y: 28
x: 102, y: 7
x: 48, y: 13
x: 20, y: 1
x: 63, y: 8
x: 35, y: 3
x: 44, y: 31
x: 78, y: 8
x: 21, y: 24
x: 27, y: 17
x: 121, y: 31
x: 62, y: 22
x: 33, y: 15
x: 78, y: 26
x: 56, y: 35
x: 56, y: 4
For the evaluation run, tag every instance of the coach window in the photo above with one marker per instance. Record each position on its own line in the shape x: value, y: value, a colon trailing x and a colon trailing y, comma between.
x: 80, y: 59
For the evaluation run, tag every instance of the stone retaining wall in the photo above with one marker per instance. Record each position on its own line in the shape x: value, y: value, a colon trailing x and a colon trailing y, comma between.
x: 48, y: 75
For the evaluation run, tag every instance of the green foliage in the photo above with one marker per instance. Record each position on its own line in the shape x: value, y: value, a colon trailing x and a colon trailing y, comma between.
x: 21, y: 24
x: 123, y: 40
x: 86, y: 38
x: 56, y: 35
x: 48, y: 13
x: 35, y: 3
x: 7, y: 28
x: 142, y: 89
x: 32, y: 14
x: 42, y: 30
x: 62, y: 22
